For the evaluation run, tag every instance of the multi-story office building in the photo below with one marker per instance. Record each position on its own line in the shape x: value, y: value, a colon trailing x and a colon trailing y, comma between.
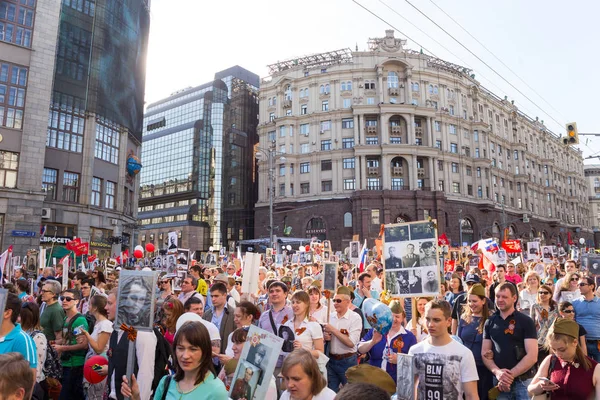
x: 199, y: 177
x: 390, y: 134
x: 72, y: 77
x: 592, y: 175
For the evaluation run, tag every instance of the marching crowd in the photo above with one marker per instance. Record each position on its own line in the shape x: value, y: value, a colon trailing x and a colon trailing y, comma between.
x: 503, y: 334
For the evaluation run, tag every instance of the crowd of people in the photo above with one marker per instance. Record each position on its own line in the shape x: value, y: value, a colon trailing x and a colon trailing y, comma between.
x: 506, y: 333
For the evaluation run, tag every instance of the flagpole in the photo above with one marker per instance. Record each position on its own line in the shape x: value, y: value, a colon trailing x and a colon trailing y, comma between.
x: 52, y: 247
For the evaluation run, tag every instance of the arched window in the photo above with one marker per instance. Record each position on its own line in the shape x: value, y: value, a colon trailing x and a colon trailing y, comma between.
x: 316, y: 223
x: 327, y: 89
x: 270, y: 101
x: 435, y: 90
x: 343, y: 86
x: 392, y: 79
x: 316, y: 228
x: 322, y: 89
x: 468, y: 234
x: 348, y: 220
x: 349, y: 85
x: 415, y: 86
x: 288, y: 92
x: 401, y: 219
x: 496, y: 230
x: 274, y: 101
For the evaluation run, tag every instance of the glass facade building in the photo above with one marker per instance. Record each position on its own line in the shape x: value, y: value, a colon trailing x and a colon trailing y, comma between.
x: 198, y: 151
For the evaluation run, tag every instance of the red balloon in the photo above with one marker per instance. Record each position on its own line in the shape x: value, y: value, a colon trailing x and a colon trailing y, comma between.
x: 88, y: 372
x: 307, y: 248
x: 149, y: 247
x: 138, y: 254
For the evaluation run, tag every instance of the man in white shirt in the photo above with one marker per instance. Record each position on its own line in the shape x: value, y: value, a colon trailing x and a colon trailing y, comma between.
x: 343, y: 333
x: 188, y: 289
x: 444, y: 368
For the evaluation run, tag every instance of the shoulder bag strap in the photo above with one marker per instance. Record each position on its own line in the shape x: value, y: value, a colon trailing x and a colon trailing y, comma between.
x: 272, y: 322
x: 166, y: 387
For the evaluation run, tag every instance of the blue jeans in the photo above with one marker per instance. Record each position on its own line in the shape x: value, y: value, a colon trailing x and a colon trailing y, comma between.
x: 72, y: 383
x: 592, y: 348
x: 518, y: 390
x: 336, y: 371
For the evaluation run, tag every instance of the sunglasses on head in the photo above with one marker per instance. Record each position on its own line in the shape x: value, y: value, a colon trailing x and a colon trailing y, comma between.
x: 66, y: 298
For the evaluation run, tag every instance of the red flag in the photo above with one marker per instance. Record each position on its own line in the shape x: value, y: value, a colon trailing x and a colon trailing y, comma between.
x: 72, y: 244
x: 443, y: 240
x: 81, y: 249
x: 569, y: 240
x: 92, y: 258
x: 449, y: 265
x: 512, y: 246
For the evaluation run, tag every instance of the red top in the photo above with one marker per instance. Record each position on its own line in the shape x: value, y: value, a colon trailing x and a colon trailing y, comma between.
x: 574, y: 381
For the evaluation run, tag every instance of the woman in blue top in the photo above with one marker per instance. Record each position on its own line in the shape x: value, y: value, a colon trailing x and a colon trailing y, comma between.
x: 470, y: 331
x: 456, y: 289
x: 383, y: 349
x: 195, y: 377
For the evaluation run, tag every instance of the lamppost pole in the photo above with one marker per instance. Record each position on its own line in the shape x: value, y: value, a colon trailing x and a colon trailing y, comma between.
x: 271, y: 154
x: 460, y: 233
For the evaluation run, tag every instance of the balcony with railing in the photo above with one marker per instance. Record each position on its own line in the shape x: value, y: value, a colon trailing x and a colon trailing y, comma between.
x: 371, y: 130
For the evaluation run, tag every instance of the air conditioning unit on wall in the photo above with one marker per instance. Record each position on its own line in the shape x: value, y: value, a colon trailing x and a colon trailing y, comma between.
x: 46, y: 213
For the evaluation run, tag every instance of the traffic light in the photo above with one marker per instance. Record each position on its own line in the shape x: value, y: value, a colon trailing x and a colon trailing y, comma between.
x: 572, y: 136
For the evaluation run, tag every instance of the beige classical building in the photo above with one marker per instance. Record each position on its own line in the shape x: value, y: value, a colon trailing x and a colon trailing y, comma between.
x: 390, y: 134
x: 592, y: 175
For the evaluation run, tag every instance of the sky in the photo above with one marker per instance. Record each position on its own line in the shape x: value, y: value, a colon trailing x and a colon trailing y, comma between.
x: 551, y: 45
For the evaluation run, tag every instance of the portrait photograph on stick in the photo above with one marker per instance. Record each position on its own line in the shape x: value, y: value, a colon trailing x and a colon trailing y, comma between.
x: 135, y: 305
x: 411, y: 265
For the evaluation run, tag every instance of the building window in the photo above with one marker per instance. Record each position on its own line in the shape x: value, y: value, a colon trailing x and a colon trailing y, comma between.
x: 271, y: 136
x: 440, y: 165
x: 369, y: 85
x: 70, y: 187
x: 370, y: 101
x: 470, y: 190
x: 305, y: 188
x: 375, y: 220
x: 73, y: 52
x: 96, y: 191
x: 455, y: 168
x: 372, y: 140
x: 325, y: 105
x: 326, y: 186
x: 395, y: 139
x: 281, y: 190
x: 304, y: 129
x: 325, y: 126
x: 453, y: 148
x: 49, y: 182
x: 347, y: 103
x: 281, y: 169
x: 271, y: 117
x: 9, y: 164
x: 392, y: 79
x: 87, y: 7
x: 348, y: 163
x: 477, y: 152
x: 476, y: 136
x: 479, y: 192
x: 13, y: 80
x: 304, y: 168
x: 326, y: 145
x: 16, y: 22
x: 303, y: 109
x: 373, y: 184
x: 455, y: 187
x: 109, y: 194
x: 304, y: 148
x: 469, y: 171
x: 441, y: 186
x: 107, y: 141
x: 415, y: 86
x: 438, y: 144
x: 66, y: 123
x: 468, y: 151
x: 325, y: 165
x: 452, y: 129
x: 347, y: 123
x: 397, y: 183
x: 349, y: 184
x: 348, y: 143
x: 438, y: 126
x: 348, y: 220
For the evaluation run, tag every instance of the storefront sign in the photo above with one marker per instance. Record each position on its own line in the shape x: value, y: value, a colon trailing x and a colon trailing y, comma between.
x: 55, y: 240
x: 100, y: 244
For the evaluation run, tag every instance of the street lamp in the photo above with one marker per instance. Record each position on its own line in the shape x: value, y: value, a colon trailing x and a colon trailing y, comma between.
x: 271, y: 155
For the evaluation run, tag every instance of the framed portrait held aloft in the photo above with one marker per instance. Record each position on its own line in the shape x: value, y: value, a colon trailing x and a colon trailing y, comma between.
x: 135, y: 299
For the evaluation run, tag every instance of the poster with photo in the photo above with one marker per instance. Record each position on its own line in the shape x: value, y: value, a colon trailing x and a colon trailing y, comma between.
x: 501, y: 257
x: 183, y: 257
x: 295, y: 258
x: 172, y: 242
x: 533, y: 251
x: 411, y: 260
x: 256, y: 365
x: 354, y: 251
x: 591, y: 263
x: 170, y: 264
x: 135, y: 299
x: 178, y: 280
x: 209, y: 258
x: 405, y: 378
x: 474, y: 261
x: 329, y: 276
x: 547, y: 254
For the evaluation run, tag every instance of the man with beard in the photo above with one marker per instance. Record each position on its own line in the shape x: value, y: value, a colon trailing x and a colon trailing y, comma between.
x: 509, y: 348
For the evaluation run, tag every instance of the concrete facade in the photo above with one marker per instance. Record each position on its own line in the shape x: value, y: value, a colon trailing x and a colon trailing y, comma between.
x: 592, y: 175
x: 390, y: 134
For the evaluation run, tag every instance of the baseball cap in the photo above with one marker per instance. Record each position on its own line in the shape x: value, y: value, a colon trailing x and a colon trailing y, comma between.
x: 472, y: 278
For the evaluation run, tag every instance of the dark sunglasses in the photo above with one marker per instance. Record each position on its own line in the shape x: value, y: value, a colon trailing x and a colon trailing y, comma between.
x: 65, y: 298
x: 583, y: 284
x: 574, y: 279
x: 569, y: 311
x: 337, y: 300
x: 543, y: 292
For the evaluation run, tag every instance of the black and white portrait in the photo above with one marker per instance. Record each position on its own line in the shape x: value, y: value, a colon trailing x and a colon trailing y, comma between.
x: 330, y: 273
x: 243, y: 385
x: 427, y: 254
x: 396, y: 234
x: 354, y: 249
x: 326, y: 244
x: 183, y: 256
x: 259, y: 357
x: 135, y: 305
x: 157, y: 262
x: 326, y: 255
x: 424, y: 230
x: 295, y: 258
x: 410, y: 259
x: 172, y: 241
x: 397, y: 283
x: 286, y: 333
x: 392, y: 259
x: 474, y: 261
x: 406, y: 377
x: 430, y: 277
x: 171, y: 264
x: 593, y: 264
x: 308, y: 257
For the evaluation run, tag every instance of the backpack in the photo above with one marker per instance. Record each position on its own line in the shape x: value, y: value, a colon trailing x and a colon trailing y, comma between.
x: 52, y: 367
x: 91, y: 321
x: 163, y: 356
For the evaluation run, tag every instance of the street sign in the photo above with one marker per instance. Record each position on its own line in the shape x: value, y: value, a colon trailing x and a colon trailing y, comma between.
x: 525, y: 218
x: 23, y: 233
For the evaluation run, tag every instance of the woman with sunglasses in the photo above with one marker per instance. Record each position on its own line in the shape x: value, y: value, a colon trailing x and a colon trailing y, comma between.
x: 543, y: 313
x: 194, y: 378
x: 98, y: 341
x: 164, y: 294
x: 566, y: 311
x: 383, y: 349
x: 569, y: 290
